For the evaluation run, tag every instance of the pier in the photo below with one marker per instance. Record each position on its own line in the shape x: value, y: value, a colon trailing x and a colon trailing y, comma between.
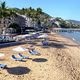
x: 65, y: 30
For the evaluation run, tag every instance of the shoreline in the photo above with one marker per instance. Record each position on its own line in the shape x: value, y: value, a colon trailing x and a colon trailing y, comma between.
x: 69, y: 38
x: 59, y: 61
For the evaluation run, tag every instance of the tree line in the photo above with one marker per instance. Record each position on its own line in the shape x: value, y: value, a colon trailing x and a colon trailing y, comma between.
x: 37, y: 15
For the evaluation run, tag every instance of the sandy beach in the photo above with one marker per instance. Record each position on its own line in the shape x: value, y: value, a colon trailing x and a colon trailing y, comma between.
x: 60, y: 60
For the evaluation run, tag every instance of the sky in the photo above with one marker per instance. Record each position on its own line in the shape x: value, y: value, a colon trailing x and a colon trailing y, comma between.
x: 66, y: 9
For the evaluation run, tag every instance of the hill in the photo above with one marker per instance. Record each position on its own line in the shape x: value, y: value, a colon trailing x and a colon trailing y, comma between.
x: 74, y: 22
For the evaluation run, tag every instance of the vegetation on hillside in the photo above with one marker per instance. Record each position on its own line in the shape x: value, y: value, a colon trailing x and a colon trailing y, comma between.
x: 66, y: 23
x: 37, y: 15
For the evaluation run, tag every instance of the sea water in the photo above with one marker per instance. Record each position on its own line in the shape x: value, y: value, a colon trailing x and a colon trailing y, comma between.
x: 75, y: 36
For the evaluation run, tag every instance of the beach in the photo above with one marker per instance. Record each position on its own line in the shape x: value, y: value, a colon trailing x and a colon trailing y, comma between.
x: 60, y: 60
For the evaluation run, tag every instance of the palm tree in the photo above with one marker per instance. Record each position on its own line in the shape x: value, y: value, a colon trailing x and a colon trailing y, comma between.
x: 4, y: 13
x: 39, y: 10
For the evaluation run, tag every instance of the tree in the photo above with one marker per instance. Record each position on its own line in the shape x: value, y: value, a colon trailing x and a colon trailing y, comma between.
x: 39, y: 10
x: 4, y: 13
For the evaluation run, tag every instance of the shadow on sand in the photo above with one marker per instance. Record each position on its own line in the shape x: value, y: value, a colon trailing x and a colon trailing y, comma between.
x: 56, y: 45
x: 39, y: 60
x: 53, y: 45
x: 18, y: 70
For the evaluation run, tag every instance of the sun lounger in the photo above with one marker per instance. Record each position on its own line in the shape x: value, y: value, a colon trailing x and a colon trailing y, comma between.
x: 44, y: 43
x: 33, y: 36
x: 34, y: 52
x: 36, y: 35
x: 16, y: 59
x: 24, y: 57
x: 3, y: 66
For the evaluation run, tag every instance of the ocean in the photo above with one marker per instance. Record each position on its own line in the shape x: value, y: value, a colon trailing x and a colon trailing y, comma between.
x: 75, y: 36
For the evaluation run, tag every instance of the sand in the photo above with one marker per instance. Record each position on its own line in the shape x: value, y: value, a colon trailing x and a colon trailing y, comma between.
x: 60, y: 60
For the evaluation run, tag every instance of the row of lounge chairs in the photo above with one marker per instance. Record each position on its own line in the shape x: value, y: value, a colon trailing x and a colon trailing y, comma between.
x: 20, y: 58
x: 32, y: 52
x: 36, y: 35
x: 16, y: 59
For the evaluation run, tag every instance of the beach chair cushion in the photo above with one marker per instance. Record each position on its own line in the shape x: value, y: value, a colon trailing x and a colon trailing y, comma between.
x: 3, y: 66
x: 24, y: 57
x: 16, y: 59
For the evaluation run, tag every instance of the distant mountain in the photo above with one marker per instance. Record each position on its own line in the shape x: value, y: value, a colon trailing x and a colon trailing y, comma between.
x: 74, y: 22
